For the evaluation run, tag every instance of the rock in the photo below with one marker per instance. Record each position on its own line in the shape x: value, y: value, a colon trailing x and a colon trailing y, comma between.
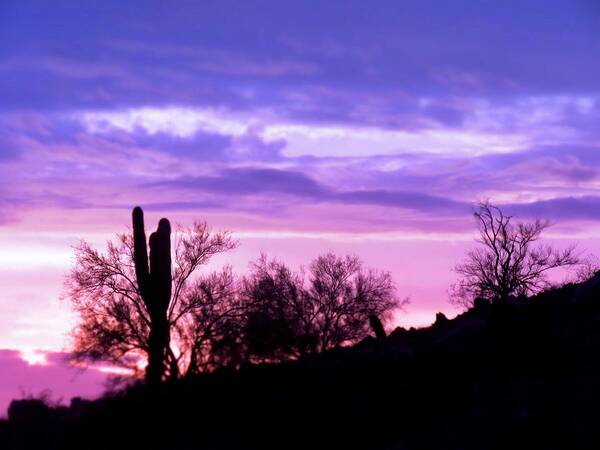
x: 440, y: 319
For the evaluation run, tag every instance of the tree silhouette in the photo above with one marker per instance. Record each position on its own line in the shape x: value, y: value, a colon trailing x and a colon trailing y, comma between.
x: 343, y: 295
x: 210, y: 327
x: 509, y: 263
x: 276, y: 323
x: 137, y: 306
x: 130, y: 309
x: 290, y: 314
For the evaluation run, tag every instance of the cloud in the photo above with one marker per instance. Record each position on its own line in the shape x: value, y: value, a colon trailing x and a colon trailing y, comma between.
x: 10, y: 204
x: 20, y: 378
x: 251, y: 181
x: 201, y: 54
x: 297, y: 109
x: 529, y: 174
x: 564, y: 208
x: 401, y: 199
x: 272, y: 184
x: 271, y: 136
x: 214, y: 160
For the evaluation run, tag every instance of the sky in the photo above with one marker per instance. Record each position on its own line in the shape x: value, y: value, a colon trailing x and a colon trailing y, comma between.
x: 359, y: 127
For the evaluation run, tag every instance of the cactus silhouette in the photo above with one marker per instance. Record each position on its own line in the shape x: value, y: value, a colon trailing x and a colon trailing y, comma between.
x: 377, y: 327
x: 154, y: 283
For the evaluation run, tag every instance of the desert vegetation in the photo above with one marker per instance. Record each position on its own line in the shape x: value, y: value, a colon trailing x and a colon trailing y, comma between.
x: 141, y: 308
x: 283, y: 358
x: 510, y: 261
x: 156, y: 311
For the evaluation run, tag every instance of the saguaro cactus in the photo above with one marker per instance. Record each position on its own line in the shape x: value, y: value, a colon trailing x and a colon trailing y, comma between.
x: 154, y: 282
x: 377, y: 327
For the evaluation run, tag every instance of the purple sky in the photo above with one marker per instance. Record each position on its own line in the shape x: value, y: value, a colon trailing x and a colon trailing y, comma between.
x: 362, y: 127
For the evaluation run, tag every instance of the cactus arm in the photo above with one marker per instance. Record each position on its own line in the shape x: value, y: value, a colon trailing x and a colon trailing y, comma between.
x: 140, y: 252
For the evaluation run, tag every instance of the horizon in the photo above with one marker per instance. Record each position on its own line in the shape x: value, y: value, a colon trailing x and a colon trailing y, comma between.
x: 301, y: 127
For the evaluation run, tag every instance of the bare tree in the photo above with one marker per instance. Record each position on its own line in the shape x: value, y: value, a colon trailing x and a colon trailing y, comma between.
x: 588, y: 267
x: 210, y: 327
x: 509, y: 263
x: 292, y: 314
x: 343, y: 295
x: 277, y: 322
x: 116, y: 319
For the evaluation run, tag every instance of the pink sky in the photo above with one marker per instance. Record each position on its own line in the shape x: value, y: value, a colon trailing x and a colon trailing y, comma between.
x: 366, y: 130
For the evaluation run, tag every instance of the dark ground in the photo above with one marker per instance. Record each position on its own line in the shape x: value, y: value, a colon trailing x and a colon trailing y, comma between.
x: 520, y: 375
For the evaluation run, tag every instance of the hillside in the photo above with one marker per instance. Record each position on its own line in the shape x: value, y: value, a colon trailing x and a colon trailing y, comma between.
x: 525, y: 374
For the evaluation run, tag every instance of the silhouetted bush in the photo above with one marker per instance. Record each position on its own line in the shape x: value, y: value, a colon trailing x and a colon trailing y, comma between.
x: 28, y: 411
x: 290, y: 314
